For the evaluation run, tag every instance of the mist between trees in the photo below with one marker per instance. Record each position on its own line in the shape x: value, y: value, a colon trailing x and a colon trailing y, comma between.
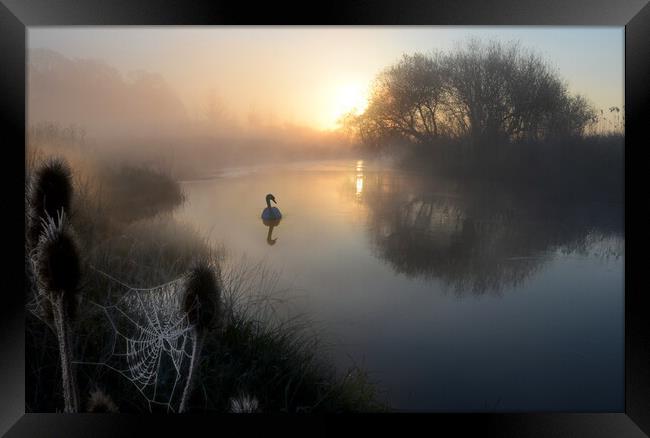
x: 139, y: 118
x: 490, y: 109
x: 481, y: 110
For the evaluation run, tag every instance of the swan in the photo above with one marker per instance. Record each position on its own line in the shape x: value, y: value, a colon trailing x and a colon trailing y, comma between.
x: 271, y: 213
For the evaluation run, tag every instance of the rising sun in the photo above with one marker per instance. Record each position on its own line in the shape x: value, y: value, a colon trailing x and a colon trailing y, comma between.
x: 347, y: 98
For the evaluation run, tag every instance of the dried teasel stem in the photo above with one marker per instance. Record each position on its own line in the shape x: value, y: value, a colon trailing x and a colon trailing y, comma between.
x: 197, y: 344
x: 203, y: 306
x: 58, y: 274
x: 67, y: 377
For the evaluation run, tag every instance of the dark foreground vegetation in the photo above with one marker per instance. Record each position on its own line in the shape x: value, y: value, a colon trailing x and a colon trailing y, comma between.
x: 96, y: 233
x: 493, y: 112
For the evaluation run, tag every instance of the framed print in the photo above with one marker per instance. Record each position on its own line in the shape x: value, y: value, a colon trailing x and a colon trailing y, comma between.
x: 362, y: 215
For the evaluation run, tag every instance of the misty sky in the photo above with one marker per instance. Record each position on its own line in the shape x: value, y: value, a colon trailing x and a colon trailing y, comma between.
x: 311, y: 75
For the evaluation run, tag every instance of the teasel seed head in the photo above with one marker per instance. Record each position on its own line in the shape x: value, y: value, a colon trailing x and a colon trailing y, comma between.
x: 58, y: 264
x: 244, y: 403
x: 99, y: 402
x: 202, y: 295
x: 50, y: 191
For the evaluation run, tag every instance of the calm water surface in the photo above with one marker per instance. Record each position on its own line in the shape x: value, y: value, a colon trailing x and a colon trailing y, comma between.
x: 453, y: 298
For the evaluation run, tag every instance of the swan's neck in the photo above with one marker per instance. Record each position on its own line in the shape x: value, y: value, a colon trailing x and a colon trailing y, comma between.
x: 268, y: 203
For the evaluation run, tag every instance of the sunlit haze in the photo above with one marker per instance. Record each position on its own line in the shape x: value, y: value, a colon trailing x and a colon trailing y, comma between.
x: 311, y: 76
x: 325, y: 219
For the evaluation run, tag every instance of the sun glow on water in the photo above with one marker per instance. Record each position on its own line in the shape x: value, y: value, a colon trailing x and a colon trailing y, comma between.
x: 359, y: 180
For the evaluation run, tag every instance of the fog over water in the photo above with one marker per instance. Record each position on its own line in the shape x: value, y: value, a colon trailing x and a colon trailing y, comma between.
x: 452, y: 297
x: 452, y: 208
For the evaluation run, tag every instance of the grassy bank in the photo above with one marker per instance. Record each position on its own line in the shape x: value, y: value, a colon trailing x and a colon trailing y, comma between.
x: 119, y: 215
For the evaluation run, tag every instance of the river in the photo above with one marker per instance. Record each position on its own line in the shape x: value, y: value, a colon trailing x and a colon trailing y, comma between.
x: 453, y: 298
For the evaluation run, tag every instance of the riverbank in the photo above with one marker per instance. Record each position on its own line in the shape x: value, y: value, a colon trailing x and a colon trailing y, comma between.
x: 248, y: 352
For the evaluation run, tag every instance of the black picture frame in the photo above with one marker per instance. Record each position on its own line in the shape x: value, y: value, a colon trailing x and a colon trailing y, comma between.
x: 17, y: 15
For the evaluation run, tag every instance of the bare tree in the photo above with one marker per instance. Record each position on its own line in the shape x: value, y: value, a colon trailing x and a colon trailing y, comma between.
x: 486, y: 93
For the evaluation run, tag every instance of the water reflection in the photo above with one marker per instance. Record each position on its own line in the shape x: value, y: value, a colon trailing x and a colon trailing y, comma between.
x: 372, y: 260
x: 478, y: 239
x: 271, y: 223
x: 359, y: 180
x: 359, y: 185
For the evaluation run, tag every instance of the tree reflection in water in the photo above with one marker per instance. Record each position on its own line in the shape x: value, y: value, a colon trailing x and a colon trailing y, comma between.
x: 476, y: 237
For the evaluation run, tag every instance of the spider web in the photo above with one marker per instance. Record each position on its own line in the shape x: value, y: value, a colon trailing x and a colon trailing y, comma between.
x: 151, y: 341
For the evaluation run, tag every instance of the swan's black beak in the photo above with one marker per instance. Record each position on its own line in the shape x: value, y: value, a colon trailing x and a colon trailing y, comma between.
x: 274, y: 200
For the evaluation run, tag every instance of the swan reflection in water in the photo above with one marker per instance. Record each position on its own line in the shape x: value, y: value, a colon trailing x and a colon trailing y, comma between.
x: 271, y: 223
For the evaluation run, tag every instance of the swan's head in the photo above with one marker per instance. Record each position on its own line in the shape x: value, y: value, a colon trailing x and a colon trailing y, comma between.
x: 270, y: 198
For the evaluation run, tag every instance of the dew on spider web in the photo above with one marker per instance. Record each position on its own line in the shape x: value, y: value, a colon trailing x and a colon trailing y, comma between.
x: 151, y: 342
